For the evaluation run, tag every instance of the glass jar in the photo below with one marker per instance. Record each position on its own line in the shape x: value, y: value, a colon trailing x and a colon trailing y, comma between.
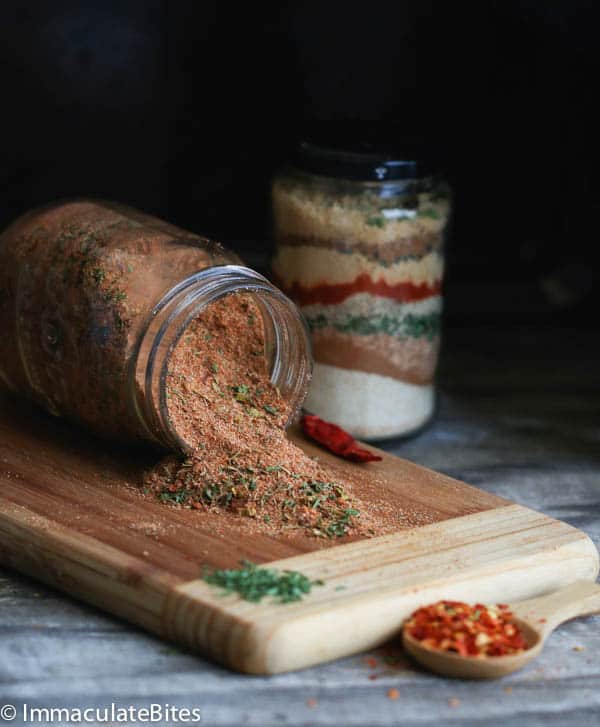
x: 94, y: 296
x: 359, y: 247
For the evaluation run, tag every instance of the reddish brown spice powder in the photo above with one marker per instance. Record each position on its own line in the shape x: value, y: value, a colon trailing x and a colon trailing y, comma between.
x: 222, y: 402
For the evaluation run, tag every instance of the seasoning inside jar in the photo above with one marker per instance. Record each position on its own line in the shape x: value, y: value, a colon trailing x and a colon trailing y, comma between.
x: 359, y: 238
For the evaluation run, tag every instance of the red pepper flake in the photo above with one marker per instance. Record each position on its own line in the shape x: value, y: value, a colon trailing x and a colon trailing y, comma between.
x: 476, y: 631
x: 393, y: 694
x: 336, y: 439
x: 454, y: 702
x: 372, y: 677
x: 311, y: 703
x: 371, y: 662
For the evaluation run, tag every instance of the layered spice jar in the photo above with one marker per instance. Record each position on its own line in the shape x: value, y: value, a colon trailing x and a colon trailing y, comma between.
x: 359, y: 247
x: 94, y: 297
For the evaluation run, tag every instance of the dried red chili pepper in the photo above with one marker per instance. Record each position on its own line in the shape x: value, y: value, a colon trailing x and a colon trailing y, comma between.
x: 336, y: 439
x: 476, y: 631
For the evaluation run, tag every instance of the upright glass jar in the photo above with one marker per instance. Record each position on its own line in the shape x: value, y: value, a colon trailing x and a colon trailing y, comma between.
x: 94, y: 296
x: 359, y: 247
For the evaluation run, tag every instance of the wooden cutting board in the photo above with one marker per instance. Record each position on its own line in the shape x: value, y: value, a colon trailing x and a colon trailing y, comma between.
x: 72, y: 515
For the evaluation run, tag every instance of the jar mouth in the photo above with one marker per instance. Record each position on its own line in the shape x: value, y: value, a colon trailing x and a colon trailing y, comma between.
x: 287, y: 342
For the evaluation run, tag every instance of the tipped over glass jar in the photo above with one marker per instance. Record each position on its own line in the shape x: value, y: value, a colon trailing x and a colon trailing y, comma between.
x: 359, y: 247
x: 94, y: 297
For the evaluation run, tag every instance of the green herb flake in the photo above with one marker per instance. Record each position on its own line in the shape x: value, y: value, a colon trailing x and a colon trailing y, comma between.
x: 253, y: 583
x: 339, y: 527
x: 178, y: 497
x: 241, y: 392
x: 375, y: 221
x: 429, y: 212
x: 270, y: 409
x: 98, y: 275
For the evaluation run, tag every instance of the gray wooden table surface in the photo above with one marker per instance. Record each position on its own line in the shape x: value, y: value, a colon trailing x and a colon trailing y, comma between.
x: 519, y: 415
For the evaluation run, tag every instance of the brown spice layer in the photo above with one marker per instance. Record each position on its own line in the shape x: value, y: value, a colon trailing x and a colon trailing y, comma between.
x: 412, y: 360
x: 416, y: 246
x: 221, y: 401
x: 325, y: 213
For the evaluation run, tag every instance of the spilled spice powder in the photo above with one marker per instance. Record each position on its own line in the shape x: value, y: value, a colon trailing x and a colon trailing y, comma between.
x: 221, y: 401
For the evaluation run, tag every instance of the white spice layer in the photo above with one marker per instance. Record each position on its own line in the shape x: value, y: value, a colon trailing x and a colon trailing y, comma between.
x: 365, y: 304
x: 369, y: 406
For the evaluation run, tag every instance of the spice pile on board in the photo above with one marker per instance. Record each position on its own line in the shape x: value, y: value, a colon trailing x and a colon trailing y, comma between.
x: 476, y: 631
x: 221, y: 401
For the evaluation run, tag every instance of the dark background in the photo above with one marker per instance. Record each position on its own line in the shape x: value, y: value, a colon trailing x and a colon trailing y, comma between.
x: 184, y: 109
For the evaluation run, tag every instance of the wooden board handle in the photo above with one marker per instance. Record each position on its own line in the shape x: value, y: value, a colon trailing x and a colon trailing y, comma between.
x: 545, y: 613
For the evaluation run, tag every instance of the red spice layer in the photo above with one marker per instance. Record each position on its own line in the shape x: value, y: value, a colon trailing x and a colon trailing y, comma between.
x: 327, y: 294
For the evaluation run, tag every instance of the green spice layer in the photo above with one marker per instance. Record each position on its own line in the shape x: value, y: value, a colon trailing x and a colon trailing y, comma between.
x: 407, y: 326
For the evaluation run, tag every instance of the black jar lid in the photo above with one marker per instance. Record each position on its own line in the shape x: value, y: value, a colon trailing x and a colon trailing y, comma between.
x: 366, y: 161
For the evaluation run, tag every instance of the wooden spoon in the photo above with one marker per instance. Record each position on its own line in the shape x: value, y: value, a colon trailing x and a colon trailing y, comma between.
x: 537, y: 619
